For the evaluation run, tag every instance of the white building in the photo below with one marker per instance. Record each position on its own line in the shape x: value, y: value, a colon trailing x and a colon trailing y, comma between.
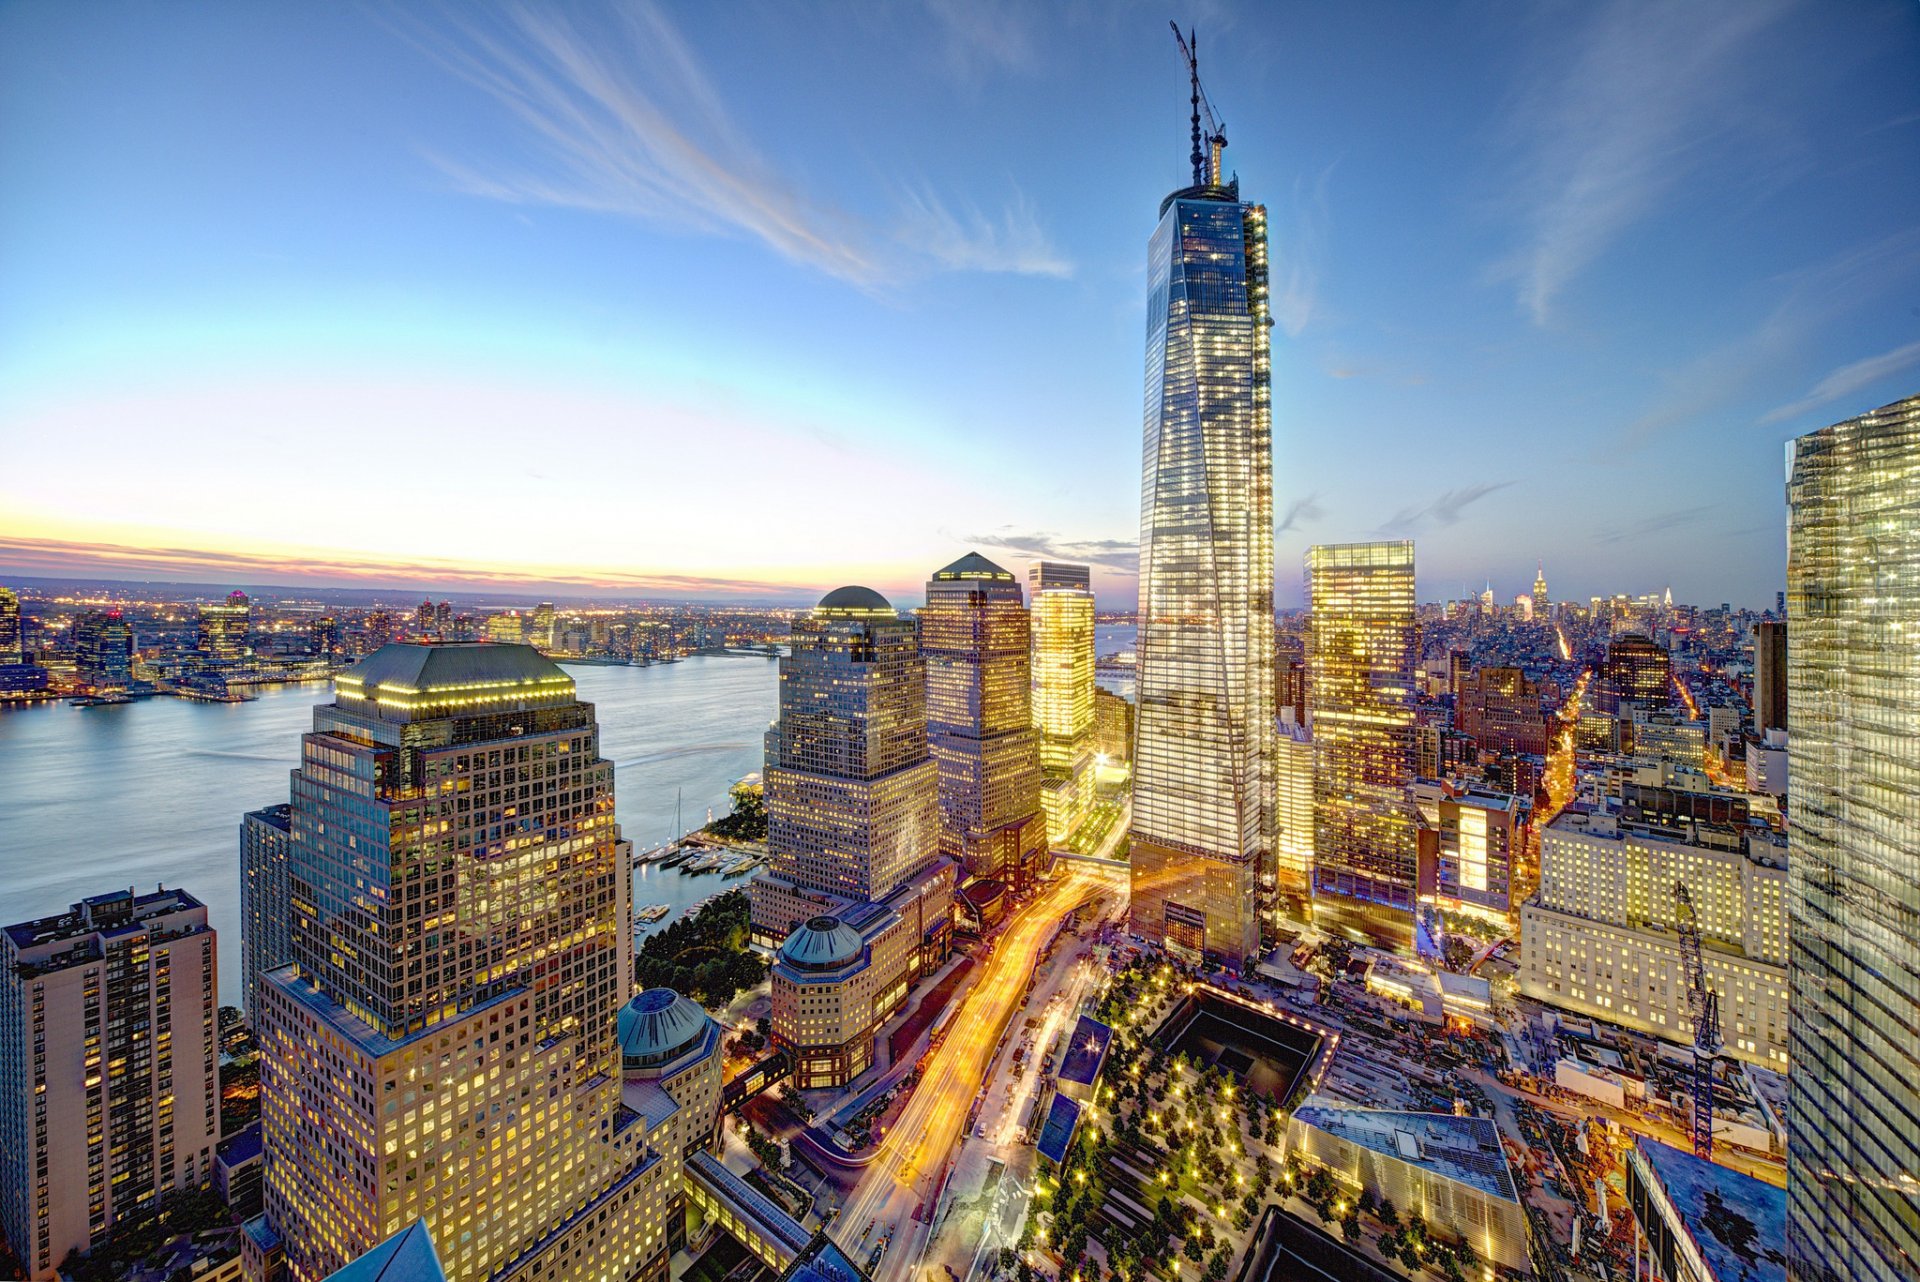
x: 1767, y: 764
x: 1598, y: 937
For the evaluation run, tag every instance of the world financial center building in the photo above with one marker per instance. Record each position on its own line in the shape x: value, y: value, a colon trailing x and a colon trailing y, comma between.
x: 1201, y: 838
x: 1853, y: 867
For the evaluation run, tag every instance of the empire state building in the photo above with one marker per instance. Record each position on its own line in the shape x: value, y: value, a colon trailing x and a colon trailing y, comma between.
x: 1201, y: 838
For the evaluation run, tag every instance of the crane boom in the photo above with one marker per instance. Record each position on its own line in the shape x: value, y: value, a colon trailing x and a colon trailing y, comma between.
x: 1216, y: 135
x: 1703, y: 1012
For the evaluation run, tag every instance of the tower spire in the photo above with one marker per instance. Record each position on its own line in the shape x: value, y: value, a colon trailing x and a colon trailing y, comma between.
x: 1190, y: 50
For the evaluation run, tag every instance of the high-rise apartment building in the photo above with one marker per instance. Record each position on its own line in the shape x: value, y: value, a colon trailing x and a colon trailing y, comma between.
x: 856, y: 894
x: 103, y: 651
x: 1202, y: 831
x: 1639, y: 670
x: 225, y: 627
x: 1363, y: 649
x: 1853, y: 691
x: 11, y: 648
x: 1293, y: 813
x: 1769, y: 675
x: 976, y: 639
x: 443, y: 620
x: 109, y: 1068
x: 423, y: 621
x: 1063, y: 685
x: 542, y: 631
x: 265, y: 909
x: 442, y: 1046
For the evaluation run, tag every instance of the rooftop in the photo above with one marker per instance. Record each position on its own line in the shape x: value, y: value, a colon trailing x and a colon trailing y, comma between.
x: 407, y: 1256
x: 768, y: 1218
x: 1086, y: 1051
x: 854, y: 600
x: 1056, y: 1135
x: 114, y: 913
x: 1736, y: 1222
x: 1465, y: 1150
x: 406, y: 678
x: 973, y: 566
x: 658, y: 1026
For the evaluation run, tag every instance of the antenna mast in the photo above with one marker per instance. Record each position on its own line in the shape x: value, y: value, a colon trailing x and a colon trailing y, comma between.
x: 1204, y: 173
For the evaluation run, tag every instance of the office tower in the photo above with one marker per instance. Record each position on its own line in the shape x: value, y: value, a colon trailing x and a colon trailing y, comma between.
x: 1598, y: 936
x: 976, y: 639
x: 1769, y: 675
x: 225, y: 627
x: 1063, y: 685
x: 1112, y: 728
x: 1471, y: 844
x: 324, y: 636
x: 103, y: 651
x: 856, y: 894
x: 1639, y: 670
x: 1293, y: 813
x: 443, y: 1044
x: 1202, y: 830
x: 443, y: 620
x: 542, y: 625
x: 507, y: 628
x: 1459, y: 670
x: 1501, y: 709
x: 1540, y: 602
x: 423, y: 620
x: 11, y: 649
x: 1290, y: 682
x: 109, y: 1079
x: 265, y: 909
x: 1853, y: 602
x: 1362, y: 650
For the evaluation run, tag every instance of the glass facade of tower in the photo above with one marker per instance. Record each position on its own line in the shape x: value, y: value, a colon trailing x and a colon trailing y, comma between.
x: 442, y: 1046
x: 1853, y: 605
x: 226, y: 627
x: 103, y: 651
x: 974, y: 638
x: 1063, y: 685
x: 1203, y: 752
x: 11, y: 650
x: 1363, y: 648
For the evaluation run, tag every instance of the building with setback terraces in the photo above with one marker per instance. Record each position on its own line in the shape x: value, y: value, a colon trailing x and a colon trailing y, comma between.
x: 1063, y: 686
x: 857, y: 897
x: 443, y: 1044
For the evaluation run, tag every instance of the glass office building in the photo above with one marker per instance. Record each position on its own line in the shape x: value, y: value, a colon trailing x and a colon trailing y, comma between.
x: 103, y: 651
x: 1363, y: 648
x: 974, y: 637
x: 1063, y: 685
x: 1853, y: 606
x: 1203, y: 803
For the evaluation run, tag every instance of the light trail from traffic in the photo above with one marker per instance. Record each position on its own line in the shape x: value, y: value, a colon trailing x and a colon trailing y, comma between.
x: 907, y: 1169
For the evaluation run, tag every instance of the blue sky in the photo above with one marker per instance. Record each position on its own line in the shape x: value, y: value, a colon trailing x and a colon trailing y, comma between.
x: 755, y: 299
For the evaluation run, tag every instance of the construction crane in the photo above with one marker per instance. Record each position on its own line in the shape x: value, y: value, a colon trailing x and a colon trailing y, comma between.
x: 1205, y: 172
x: 1703, y: 1009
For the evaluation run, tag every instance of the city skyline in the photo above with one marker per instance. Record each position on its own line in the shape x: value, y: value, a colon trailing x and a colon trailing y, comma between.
x: 1683, y: 325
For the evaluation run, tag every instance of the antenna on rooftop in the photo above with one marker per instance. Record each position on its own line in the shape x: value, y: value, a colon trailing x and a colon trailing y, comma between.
x: 1203, y: 172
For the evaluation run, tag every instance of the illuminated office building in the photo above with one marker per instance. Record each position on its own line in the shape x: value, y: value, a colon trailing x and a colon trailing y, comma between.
x: 1363, y: 648
x: 1202, y: 832
x: 1541, y: 605
x: 103, y: 651
x: 109, y: 1078
x: 11, y: 648
x: 265, y: 910
x: 1639, y: 670
x: 1769, y: 675
x: 1853, y: 690
x: 1063, y: 685
x: 443, y: 620
x: 1293, y: 813
x: 423, y: 620
x: 975, y: 640
x: 1502, y: 710
x: 856, y: 894
x: 442, y: 1046
x: 507, y: 628
x: 225, y: 627
x: 542, y: 632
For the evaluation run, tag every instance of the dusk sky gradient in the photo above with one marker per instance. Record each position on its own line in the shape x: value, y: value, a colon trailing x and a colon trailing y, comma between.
x: 753, y: 299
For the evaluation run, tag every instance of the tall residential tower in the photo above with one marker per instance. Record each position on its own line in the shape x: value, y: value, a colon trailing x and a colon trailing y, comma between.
x: 974, y: 637
x: 1853, y: 603
x: 1202, y: 833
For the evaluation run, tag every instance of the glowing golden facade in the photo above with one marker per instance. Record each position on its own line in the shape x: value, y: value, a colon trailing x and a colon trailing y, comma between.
x: 1063, y: 685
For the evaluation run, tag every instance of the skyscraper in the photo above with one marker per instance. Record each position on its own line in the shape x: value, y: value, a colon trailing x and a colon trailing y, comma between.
x: 975, y: 638
x: 225, y: 626
x: 442, y: 1046
x: 856, y: 894
x: 1639, y: 670
x: 1769, y: 675
x: 1362, y: 650
x: 1293, y: 817
x: 1853, y: 602
x: 1540, y: 602
x: 109, y: 1084
x: 265, y: 941
x: 1202, y: 828
x: 1063, y: 684
x: 103, y: 651
x: 542, y: 632
x: 10, y: 641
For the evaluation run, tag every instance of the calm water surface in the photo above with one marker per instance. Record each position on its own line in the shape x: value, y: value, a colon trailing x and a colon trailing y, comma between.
x: 97, y: 798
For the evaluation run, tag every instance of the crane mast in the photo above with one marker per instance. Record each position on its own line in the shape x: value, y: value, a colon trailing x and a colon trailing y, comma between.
x: 1206, y: 166
x: 1703, y: 1011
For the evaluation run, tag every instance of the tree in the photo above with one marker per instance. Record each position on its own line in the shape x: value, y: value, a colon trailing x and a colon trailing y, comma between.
x: 1192, y: 1250
x: 1350, y: 1228
x: 1389, y: 1213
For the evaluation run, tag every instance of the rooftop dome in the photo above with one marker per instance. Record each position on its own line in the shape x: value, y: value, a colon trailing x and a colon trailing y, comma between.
x: 822, y: 943
x: 853, y: 599
x: 658, y: 1026
x: 974, y: 566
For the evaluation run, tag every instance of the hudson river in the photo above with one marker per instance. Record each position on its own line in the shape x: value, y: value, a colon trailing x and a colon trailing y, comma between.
x: 94, y: 799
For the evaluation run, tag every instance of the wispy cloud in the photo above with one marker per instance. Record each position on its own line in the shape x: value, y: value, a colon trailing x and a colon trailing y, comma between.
x: 1446, y: 509
x: 1300, y: 513
x: 617, y: 116
x: 1301, y: 254
x: 1661, y: 523
x: 1121, y: 555
x: 1849, y: 379
x: 987, y: 35
x: 1606, y: 127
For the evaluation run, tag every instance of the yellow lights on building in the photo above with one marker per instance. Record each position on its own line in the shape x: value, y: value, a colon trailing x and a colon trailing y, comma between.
x: 1062, y: 614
